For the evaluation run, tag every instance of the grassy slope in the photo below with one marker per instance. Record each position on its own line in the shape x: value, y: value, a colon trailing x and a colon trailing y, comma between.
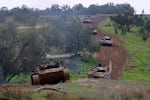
x: 138, y: 65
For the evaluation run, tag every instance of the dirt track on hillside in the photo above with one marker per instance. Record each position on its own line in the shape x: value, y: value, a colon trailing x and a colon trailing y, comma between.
x: 116, y: 53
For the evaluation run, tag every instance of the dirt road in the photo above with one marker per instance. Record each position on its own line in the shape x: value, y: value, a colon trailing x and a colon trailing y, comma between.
x: 116, y: 53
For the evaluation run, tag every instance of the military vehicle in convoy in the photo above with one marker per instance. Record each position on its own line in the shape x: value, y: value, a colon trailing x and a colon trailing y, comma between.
x: 87, y: 20
x: 101, y: 71
x: 50, y: 73
x: 106, y: 41
x: 94, y: 32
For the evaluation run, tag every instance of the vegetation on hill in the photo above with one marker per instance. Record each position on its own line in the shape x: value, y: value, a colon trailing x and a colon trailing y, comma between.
x: 126, y: 22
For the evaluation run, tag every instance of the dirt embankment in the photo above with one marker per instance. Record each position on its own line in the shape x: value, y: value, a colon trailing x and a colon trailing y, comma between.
x: 116, y: 53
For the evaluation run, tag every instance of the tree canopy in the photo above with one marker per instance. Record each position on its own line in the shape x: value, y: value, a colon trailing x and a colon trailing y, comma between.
x: 125, y: 22
x: 23, y: 13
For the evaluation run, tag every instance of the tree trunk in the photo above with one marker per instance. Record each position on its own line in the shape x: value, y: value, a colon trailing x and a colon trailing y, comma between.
x: 16, y: 73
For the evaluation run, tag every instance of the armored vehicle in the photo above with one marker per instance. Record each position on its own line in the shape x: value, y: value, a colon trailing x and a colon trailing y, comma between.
x: 101, y: 71
x: 106, y: 41
x: 49, y: 74
x: 87, y: 20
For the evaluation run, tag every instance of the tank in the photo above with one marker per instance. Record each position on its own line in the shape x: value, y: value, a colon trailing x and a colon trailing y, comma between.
x: 87, y: 20
x: 51, y: 74
x: 106, y: 41
x: 101, y: 71
x: 94, y: 32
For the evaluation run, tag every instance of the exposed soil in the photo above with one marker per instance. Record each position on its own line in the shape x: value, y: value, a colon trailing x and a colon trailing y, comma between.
x: 116, y: 53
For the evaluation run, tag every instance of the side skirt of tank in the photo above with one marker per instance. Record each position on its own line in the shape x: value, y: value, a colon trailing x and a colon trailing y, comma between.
x: 66, y: 75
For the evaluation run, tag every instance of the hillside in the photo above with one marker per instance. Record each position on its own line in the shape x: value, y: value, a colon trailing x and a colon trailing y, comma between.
x: 137, y: 66
x: 94, y: 89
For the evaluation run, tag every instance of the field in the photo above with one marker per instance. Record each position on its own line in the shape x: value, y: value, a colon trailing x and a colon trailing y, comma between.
x: 137, y: 66
x: 84, y: 89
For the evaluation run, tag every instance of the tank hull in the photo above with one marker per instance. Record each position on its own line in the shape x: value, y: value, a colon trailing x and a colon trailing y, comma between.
x: 50, y: 76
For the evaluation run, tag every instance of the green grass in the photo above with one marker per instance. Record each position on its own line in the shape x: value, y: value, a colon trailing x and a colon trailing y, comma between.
x: 137, y: 66
x: 21, y: 79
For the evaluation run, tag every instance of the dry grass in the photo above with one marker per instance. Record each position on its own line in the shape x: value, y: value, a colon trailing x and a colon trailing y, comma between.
x: 15, y: 93
x: 82, y: 90
x: 59, y: 96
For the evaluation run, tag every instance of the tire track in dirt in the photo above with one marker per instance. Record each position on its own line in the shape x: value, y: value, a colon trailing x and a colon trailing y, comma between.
x: 116, y: 53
